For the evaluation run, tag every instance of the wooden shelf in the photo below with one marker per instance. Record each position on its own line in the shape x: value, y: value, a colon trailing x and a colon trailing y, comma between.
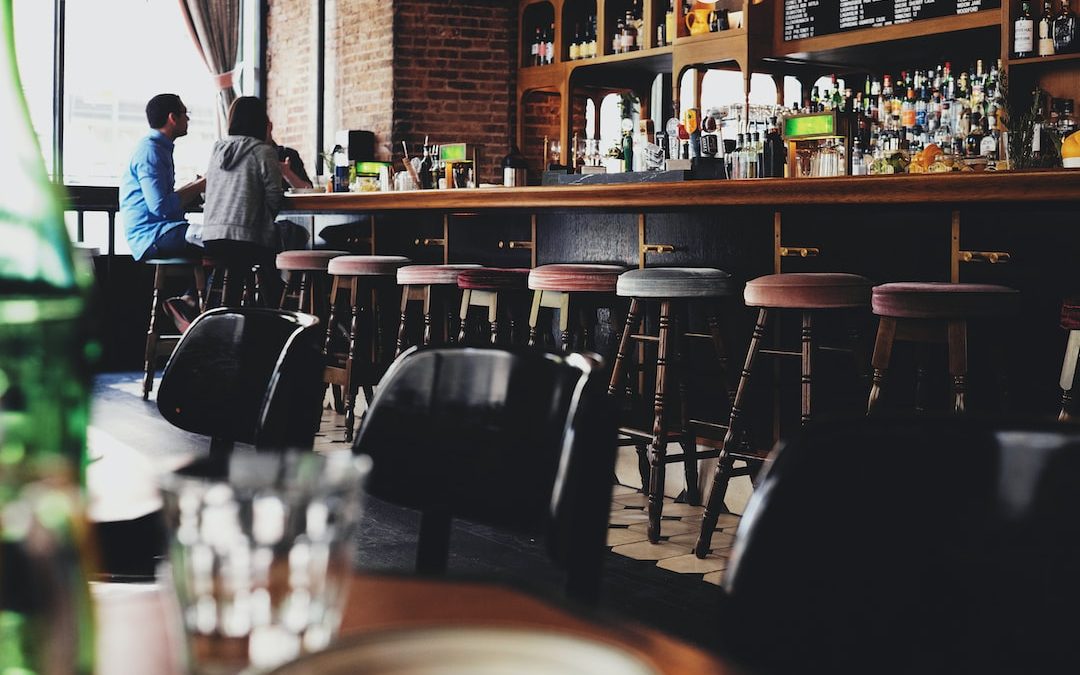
x: 729, y: 34
x: 1036, y: 60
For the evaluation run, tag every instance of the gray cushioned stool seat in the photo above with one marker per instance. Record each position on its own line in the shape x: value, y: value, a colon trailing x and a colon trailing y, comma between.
x: 675, y: 282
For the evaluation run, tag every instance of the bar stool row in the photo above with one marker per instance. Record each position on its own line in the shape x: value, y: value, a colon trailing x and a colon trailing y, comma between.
x: 356, y: 357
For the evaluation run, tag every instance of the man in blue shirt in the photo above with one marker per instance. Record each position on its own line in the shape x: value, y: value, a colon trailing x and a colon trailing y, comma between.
x: 152, y: 209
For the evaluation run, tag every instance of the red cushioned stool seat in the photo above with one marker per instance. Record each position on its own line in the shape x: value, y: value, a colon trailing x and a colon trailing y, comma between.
x: 820, y: 290
x: 1070, y: 313
x: 306, y: 260
x: 425, y: 275
x: 584, y: 278
x: 366, y: 265
x: 494, y: 279
x: 939, y: 300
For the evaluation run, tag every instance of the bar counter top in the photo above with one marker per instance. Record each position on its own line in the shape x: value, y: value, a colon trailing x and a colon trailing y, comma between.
x: 1043, y: 186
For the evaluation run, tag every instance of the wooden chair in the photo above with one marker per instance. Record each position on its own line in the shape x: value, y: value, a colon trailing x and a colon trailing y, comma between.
x: 848, y: 561
x: 575, y: 290
x: 520, y: 439
x: 435, y: 287
x: 307, y: 281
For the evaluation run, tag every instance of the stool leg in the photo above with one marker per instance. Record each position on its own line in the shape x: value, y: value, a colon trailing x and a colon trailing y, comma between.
x: 152, y: 333
x: 226, y: 301
x: 618, y: 371
x: 401, y: 328
x: 1068, y: 375
x: 687, y: 440
x: 427, y: 315
x: 716, y: 330
x: 350, y: 388
x: 200, y: 285
x: 807, y: 360
x: 466, y: 297
x: 493, y: 318
x: 921, y: 372
x: 534, y: 317
x: 658, y: 447
x: 304, y: 301
x: 958, y: 363
x: 331, y: 321
x: 883, y: 345
x: 725, y: 462
x: 565, y: 337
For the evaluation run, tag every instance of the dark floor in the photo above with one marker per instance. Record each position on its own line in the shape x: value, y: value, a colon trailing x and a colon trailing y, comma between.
x: 678, y: 604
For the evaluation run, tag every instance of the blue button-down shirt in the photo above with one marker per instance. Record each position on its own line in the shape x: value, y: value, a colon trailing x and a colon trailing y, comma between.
x: 149, y: 204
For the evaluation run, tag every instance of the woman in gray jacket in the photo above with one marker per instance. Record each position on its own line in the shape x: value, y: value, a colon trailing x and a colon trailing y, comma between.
x: 244, y: 195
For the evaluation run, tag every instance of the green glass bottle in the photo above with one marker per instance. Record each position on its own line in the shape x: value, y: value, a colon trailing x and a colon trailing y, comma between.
x: 45, y: 612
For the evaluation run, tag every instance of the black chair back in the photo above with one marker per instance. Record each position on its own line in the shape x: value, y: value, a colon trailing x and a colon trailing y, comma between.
x: 937, y: 546
x: 246, y: 375
x: 520, y: 439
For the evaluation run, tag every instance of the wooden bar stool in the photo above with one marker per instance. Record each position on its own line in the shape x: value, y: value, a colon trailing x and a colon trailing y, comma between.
x: 428, y: 285
x: 673, y: 289
x: 307, y: 282
x: 222, y: 280
x: 572, y: 288
x: 1070, y: 321
x: 808, y: 294
x: 498, y: 290
x: 158, y: 344
x: 363, y: 278
x: 935, y: 312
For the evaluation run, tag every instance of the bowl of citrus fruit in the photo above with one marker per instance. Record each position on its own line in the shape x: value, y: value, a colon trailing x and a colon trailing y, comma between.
x: 1070, y: 151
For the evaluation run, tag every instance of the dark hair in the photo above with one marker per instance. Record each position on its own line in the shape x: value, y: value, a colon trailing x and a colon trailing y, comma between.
x: 247, y: 117
x: 159, y: 108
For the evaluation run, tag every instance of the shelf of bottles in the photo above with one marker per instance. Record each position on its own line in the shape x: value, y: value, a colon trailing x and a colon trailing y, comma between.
x: 538, y: 30
x: 580, y: 26
x: 1048, y: 36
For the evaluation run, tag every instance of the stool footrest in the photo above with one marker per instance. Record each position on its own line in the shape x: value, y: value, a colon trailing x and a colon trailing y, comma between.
x: 779, y: 352
x: 645, y: 338
x: 700, y: 336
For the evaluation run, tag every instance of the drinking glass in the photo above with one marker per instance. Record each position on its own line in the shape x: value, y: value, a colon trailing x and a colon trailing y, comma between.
x: 261, y: 550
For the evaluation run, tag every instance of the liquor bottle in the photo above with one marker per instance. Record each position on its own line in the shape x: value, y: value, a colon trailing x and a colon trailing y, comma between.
x: 1065, y: 30
x: 630, y: 33
x: 988, y: 146
x: 1024, y: 32
x: 857, y: 166
x: 426, y: 164
x: 46, y: 621
x: 549, y: 46
x: 515, y: 168
x: 618, y: 36
x: 670, y: 29
x: 774, y: 153
x: 534, y: 49
x: 1046, y: 30
x: 973, y: 141
x: 575, y: 46
x: 593, y: 49
x: 1066, y: 121
x: 907, y: 110
x: 628, y: 151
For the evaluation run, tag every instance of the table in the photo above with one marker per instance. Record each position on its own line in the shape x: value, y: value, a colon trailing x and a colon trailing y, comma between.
x: 139, y: 614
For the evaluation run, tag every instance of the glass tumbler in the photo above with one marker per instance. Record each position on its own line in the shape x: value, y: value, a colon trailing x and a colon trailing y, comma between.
x: 261, y: 549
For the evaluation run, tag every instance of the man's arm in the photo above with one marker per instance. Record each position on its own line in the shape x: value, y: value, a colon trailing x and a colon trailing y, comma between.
x: 189, y: 192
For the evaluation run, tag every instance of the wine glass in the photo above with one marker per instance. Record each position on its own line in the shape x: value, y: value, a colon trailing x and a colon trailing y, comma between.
x: 555, y: 152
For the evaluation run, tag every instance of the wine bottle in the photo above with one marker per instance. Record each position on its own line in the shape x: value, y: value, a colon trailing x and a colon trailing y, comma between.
x: 45, y: 614
x: 1024, y: 32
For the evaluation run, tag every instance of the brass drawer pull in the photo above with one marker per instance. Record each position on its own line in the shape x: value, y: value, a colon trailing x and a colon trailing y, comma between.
x: 799, y: 251
x: 515, y: 244
x: 429, y: 242
x: 985, y: 256
x: 657, y: 248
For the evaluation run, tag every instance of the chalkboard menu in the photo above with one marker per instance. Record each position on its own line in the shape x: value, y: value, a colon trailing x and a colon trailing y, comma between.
x: 810, y: 18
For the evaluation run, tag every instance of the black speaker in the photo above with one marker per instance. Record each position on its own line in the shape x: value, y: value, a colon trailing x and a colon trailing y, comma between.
x: 361, y: 145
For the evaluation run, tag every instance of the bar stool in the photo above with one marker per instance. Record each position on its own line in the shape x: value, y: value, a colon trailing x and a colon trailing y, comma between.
x: 673, y: 289
x: 222, y: 278
x: 158, y: 344
x: 807, y: 293
x: 578, y: 288
x: 498, y: 290
x: 1070, y: 321
x: 306, y: 280
x: 363, y: 278
x: 934, y: 312
x: 429, y: 284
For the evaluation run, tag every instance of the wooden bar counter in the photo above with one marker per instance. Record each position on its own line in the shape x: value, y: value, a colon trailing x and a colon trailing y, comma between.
x: 1014, y: 228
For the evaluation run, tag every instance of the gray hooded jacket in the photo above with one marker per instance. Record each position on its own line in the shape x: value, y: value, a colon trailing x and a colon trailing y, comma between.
x: 243, y: 192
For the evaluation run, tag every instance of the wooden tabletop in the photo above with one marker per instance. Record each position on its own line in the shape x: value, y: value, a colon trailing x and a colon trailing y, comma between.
x: 136, y: 631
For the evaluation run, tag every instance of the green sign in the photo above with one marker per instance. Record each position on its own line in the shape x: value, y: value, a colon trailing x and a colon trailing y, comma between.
x: 370, y: 168
x: 810, y: 126
x: 454, y: 152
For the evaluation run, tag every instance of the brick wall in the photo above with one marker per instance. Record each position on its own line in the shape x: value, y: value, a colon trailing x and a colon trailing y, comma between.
x: 403, y: 69
x: 541, y: 118
x: 454, y: 75
x: 290, y: 62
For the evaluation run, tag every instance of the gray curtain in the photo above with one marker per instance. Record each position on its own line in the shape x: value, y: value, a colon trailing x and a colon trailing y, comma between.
x: 215, y: 27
